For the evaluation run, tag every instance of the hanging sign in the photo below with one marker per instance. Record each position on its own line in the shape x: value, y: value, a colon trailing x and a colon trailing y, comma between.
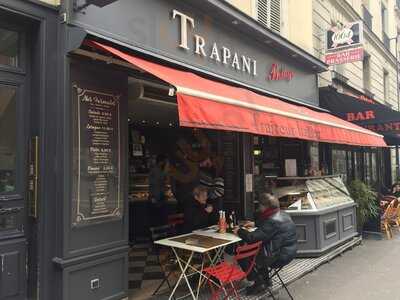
x: 344, y: 57
x: 344, y: 36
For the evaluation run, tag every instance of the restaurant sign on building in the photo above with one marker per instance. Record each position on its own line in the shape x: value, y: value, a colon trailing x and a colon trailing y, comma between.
x: 344, y: 43
x: 172, y: 31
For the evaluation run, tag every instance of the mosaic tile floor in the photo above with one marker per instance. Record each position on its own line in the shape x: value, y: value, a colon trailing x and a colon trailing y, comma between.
x: 145, y: 275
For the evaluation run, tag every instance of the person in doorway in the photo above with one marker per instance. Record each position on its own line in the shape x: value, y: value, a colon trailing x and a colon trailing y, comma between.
x: 157, y: 182
x: 197, y: 212
x: 277, y: 231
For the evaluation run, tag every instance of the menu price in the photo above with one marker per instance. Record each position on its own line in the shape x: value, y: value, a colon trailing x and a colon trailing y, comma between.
x: 97, y: 186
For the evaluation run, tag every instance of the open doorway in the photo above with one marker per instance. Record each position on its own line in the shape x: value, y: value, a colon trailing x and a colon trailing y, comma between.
x: 194, y: 156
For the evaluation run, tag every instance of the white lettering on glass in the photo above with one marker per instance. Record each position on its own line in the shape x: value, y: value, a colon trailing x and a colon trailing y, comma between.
x: 200, y: 43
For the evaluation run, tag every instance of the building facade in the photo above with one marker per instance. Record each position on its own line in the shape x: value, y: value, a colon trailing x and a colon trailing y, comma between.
x: 374, y: 77
x: 84, y: 101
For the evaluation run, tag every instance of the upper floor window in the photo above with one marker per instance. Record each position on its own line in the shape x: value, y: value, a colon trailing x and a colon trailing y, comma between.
x: 384, y: 18
x: 367, y: 73
x: 386, y: 85
x: 269, y: 13
x: 9, y: 48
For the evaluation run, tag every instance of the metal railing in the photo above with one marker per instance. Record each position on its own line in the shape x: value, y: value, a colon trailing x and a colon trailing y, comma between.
x: 386, y: 40
x: 367, y: 17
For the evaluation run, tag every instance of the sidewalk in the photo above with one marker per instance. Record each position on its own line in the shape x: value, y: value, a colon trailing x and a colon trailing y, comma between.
x: 369, y: 272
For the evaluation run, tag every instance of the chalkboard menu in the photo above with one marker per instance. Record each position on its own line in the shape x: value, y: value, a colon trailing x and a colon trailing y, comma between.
x: 97, y: 169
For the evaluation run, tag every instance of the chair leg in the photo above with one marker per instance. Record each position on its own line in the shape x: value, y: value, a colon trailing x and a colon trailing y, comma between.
x: 284, y: 285
x: 270, y: 293
x: 165, y: 280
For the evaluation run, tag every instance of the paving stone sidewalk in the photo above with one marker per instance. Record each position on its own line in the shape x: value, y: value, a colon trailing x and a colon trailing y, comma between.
x: 368, y: 272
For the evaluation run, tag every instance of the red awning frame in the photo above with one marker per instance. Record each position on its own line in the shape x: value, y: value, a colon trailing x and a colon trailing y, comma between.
x: 205, y: 103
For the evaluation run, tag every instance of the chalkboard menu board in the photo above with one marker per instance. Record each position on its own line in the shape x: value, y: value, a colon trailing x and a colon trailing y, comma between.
x: 97, y: 170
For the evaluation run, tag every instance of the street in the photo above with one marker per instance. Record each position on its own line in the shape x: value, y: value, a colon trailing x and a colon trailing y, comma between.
x: 369, y: 271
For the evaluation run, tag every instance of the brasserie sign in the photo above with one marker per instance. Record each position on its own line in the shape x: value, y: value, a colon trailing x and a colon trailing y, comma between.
x: 344, y: 36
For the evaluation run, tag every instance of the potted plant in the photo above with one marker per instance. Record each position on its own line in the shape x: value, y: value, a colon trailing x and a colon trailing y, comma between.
x: 367, y: 202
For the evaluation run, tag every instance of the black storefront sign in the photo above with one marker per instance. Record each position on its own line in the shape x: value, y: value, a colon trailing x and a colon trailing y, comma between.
x: 97, y: 170
x: 363, y: 112
x: 181, y: 32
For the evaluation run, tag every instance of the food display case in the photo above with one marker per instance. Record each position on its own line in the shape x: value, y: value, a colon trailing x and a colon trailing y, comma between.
x: 322, y: 209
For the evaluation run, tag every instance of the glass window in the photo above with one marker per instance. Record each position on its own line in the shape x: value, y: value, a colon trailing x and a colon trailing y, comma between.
x: 374, y: 169
x: 9, y: 46
x: 8, y: 133
x: 339, y: 163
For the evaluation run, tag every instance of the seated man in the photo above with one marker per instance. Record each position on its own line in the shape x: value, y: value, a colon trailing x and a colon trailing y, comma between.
x: 277, y: 231
x: 197, y: 212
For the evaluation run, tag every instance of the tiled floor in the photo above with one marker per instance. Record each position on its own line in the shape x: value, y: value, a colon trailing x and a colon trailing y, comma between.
x: 146, y: 275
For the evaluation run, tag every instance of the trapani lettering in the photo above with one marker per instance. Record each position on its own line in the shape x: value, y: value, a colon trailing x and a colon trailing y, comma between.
x: 215, y: 52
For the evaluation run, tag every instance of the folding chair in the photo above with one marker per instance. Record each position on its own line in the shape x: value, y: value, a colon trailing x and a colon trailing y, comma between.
x: 274, y: 272
x: 157, y: 233
x: 387, y: 218
x: 228, y: 274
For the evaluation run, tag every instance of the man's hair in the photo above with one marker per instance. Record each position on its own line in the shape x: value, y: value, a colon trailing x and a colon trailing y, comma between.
x: 269, y: 201
x: 198, y: 190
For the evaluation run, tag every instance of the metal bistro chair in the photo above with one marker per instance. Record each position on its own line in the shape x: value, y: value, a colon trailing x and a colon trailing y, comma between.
x: 157, y: 233
x: 228, y: 274
x: 275, y: 269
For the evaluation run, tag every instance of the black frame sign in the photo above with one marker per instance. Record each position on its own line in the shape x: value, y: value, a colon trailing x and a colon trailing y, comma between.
x: 344, y: 36
x: 97, y: 156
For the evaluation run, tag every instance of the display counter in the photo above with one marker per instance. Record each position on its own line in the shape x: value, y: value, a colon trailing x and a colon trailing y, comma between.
x: 322, y: 209
x: 141, y: 210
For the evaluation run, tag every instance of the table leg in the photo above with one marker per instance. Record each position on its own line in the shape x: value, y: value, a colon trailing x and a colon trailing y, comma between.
x: 183, y: 274
x: 200, y: 277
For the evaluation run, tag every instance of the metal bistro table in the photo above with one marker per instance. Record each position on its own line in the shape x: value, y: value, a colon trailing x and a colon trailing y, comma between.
x: 203, y: 242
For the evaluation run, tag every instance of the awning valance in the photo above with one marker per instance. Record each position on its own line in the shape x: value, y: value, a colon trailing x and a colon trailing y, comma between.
x: 363, y: 112
x: 205, y: 103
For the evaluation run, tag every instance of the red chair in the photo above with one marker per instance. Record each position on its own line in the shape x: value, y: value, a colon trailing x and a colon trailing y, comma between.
x: 229, y: 274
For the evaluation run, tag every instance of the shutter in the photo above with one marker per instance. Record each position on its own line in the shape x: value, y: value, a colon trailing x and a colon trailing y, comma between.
x: 269, y: 13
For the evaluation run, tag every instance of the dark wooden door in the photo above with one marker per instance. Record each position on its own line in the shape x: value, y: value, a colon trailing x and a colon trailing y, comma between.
x: 14, y: 118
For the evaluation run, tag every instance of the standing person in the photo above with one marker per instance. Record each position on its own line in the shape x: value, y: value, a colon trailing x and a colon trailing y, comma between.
x: 277, y: 231
x: 197, y: 212
x: 157, y: 182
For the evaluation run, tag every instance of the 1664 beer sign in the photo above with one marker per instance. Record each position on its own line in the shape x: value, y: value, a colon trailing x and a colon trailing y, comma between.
x: 344, y: 43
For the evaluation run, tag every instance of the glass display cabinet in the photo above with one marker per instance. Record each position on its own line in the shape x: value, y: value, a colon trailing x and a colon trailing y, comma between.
x: 322, y: 209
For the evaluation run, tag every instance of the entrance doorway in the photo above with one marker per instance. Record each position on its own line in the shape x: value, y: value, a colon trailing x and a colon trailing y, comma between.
x: 195, y: 157
x: 14, y: 109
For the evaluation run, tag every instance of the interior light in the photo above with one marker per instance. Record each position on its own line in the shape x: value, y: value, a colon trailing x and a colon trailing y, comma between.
x: 257, y: 152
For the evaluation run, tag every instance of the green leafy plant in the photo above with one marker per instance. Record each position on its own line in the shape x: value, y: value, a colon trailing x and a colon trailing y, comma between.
x: 366, y: 200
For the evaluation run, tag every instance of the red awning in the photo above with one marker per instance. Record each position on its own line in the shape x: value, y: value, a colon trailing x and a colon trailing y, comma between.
x: 205, y: 103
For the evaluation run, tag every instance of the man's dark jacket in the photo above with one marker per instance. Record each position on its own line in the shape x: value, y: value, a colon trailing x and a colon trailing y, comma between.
x: 278, y: 233
x: 195, y: 216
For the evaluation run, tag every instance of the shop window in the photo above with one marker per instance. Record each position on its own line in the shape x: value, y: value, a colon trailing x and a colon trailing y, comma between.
x: 339, y: 163
x: 8, y: 133
x: 367, y: 168
x: 269, y: 14
x: 9, y: 47
x: 374, y: 169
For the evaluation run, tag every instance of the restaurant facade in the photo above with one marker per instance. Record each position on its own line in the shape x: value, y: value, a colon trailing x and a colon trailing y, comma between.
x: 93, y: 91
